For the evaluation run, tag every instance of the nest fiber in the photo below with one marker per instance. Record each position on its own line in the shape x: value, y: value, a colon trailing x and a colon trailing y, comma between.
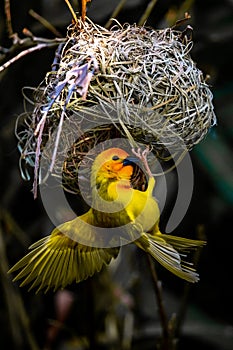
x: 129, y: 81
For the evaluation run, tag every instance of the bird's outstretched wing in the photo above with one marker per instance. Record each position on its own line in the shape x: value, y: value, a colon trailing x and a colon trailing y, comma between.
x: 56, y: 261
x: 164, y: 248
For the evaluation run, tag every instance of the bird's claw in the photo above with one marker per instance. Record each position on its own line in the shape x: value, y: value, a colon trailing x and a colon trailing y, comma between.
x: 142, y: 155
x: 146, y: 151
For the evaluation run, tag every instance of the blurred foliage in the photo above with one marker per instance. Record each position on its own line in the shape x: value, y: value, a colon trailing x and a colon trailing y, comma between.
x: 116, y: 309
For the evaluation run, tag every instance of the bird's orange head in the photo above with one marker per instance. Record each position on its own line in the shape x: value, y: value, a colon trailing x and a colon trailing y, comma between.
x: 112, y: 164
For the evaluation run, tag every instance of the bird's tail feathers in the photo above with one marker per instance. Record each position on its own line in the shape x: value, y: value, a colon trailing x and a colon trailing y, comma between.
x: 164, y: 248
x: 183, y: 244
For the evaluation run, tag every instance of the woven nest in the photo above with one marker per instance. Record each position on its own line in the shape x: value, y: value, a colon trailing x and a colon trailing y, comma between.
x: 129, y: 82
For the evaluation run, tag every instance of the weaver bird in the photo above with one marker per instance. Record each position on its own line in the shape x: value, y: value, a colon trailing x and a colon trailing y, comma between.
x: 68, y: 253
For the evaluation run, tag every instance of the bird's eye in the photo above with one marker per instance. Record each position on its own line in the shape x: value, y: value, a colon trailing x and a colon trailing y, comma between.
x: 115, y: 158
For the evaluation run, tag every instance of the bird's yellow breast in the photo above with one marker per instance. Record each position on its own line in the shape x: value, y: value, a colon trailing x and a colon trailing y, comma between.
x: 118, y: 204
x: 143, y: 209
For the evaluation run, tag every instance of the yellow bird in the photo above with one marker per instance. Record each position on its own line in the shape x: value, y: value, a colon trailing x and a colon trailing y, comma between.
x: 70, y: 252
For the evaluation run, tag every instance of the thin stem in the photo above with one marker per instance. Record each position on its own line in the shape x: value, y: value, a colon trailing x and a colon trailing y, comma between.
x: 147, y: 13
x: 72, y: 11
x: 184, y: 303
x: 18, y: 318
x: 8, y: 18
x: 45, y: 23
x: 26, y: 52
x: 158, y: 293
x: 84, y: 9
x: 116, y: 12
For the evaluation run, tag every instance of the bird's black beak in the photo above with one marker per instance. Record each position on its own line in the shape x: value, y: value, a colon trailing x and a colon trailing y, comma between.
x: 130, y: 161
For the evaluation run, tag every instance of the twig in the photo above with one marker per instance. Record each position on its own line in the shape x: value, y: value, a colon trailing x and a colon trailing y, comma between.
x: 183, y: 306
x: 174, y: 17
x: 45, y: 23
x: 72, y: 11
x: 91, y: 313
x: 166, y: 339
x: 84, y: 8
x: 23, y: 53
x: 17, y: 313
x: 147, y: 13
x: 115, y: 13
x: 13, y: 227
x: 8, y: 18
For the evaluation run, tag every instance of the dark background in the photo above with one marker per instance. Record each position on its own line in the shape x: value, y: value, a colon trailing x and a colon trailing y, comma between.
x: 95, y: 309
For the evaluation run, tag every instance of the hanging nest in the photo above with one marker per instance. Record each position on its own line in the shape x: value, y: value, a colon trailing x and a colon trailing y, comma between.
x: 128, y: 82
